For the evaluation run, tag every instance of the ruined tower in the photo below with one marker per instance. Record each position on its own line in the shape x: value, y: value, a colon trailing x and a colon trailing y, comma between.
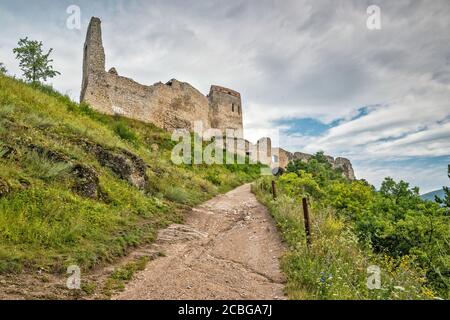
x: 226, y: 108
x: 93, y: 56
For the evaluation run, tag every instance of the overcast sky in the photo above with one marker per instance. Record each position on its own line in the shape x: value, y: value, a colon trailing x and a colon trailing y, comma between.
x: 311, y: 69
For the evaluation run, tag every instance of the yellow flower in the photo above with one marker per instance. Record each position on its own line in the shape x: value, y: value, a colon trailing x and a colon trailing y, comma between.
x: 428, y: 293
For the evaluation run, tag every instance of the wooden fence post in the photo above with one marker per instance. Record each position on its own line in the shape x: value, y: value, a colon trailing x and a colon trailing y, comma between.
x: 307, y: 221
x: 274, y: 191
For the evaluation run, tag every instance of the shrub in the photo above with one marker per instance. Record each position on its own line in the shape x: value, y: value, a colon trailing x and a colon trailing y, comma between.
x: 335, y: 265
x: 125, y: 133
x: 394, y: 221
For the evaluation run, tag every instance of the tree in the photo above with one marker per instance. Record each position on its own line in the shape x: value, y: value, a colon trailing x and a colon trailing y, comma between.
x: 34, y: 63
x: 2, y: 69
x: 446, y: 201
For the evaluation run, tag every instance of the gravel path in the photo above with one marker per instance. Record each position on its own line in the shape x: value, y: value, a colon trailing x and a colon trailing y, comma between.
x: 228, y: 248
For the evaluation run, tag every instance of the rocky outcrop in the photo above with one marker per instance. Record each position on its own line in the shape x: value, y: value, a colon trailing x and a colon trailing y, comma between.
x: 86, y: 182
x: 301, y: 156
x: 123, y: 163
x: 284, y: 157
x: 49, y: 154
x: 338, y: 163
x: 346, y: 166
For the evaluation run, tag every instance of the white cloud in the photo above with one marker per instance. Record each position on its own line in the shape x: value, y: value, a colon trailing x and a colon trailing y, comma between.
x: 428, y: 177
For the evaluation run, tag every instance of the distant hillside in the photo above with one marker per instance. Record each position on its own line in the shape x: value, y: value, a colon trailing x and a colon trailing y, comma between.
x: 80, y: 187
x: 431, y: 195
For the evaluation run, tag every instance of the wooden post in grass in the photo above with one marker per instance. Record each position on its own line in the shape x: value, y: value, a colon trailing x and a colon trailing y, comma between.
x: 307, y: 221
x: 274, y: 191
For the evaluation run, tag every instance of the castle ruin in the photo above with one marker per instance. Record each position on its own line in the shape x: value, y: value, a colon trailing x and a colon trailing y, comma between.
x: 175, y: 105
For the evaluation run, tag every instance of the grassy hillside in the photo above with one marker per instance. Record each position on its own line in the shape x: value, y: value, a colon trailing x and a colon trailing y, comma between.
x: 80, y: 187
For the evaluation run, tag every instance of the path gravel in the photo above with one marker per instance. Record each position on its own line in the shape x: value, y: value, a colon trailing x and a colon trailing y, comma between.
x: 228, y: 248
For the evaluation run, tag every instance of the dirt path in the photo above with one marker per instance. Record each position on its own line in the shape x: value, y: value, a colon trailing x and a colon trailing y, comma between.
x: 228, y: 248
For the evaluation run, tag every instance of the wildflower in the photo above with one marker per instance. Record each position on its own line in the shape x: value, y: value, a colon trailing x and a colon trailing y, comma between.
x: 428, y: 293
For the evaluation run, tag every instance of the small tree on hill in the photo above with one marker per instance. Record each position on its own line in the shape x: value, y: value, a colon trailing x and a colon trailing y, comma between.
x: 34, y: 63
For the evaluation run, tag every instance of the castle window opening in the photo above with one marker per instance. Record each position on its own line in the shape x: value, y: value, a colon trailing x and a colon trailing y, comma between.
x: 232, y: 107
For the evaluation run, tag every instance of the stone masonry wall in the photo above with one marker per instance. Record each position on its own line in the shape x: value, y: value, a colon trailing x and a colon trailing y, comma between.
x: 226, y: 108
x: 284, y: 157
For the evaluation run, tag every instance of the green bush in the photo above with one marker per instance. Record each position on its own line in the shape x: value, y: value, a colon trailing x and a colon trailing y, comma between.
x: 125, y: 133
x: 394, y: 222
x: 335, y: 265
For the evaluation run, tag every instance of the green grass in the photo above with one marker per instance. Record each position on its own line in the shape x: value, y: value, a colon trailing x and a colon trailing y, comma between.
x: 44, y: 224
x: 125, y: 133
x: 119, y: 277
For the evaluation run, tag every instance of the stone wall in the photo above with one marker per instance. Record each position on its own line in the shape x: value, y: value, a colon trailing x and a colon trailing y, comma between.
x: 264, y: 150
x: 226, y: 108
x: 283, y: 157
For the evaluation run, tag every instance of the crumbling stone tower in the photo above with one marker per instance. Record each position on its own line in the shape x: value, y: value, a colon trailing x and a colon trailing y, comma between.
x: 226, y: 108
x: 93, y: 56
